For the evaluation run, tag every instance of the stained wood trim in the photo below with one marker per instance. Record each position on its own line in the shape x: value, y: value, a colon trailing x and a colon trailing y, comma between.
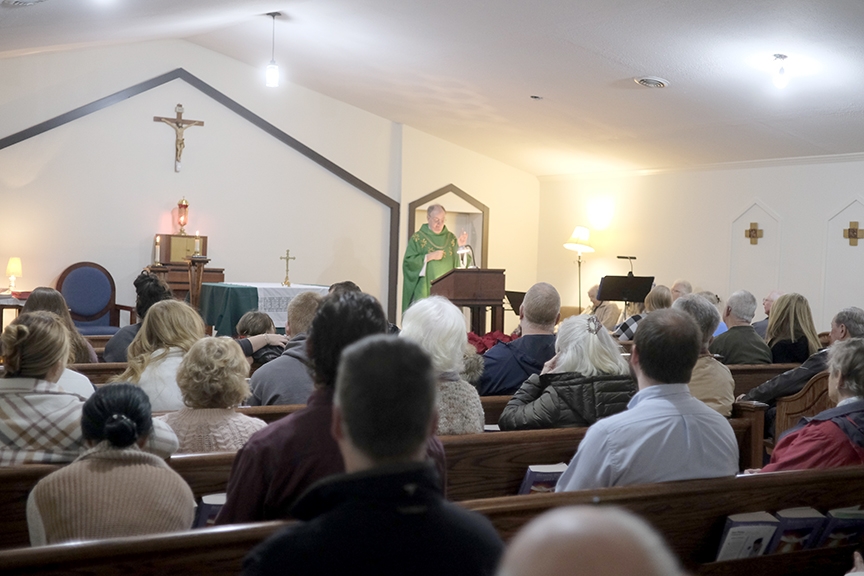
x: 412, y: 208
x: 249, y: 116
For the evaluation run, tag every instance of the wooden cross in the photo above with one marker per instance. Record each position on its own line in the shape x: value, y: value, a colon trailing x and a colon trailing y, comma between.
x: 852, y: 233
x: 287, y: 258
x: 753, y: 233
x: 180, y: 125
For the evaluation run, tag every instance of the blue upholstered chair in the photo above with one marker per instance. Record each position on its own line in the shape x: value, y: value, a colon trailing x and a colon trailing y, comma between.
x: 90, y: 292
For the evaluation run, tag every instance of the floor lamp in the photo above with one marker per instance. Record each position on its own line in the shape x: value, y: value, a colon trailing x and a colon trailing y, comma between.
x: 578, y: 242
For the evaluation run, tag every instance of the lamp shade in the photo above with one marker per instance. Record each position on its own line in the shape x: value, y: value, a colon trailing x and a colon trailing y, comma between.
x: 578, y: 241
x: 13, y: 268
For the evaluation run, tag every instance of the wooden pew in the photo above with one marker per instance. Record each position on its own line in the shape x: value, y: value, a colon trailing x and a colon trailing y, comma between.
x: 15, y: 485
x: 98, y: 343
x: 99, y: 373
x: 270, y: 413
x: 748, y: 376
x: 691, y: 514
x: 811, y: 400
x: 215, y: 551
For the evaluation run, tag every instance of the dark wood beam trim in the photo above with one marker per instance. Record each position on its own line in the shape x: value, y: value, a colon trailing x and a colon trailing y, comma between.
x: 249, y: 116
x: 412, y: 208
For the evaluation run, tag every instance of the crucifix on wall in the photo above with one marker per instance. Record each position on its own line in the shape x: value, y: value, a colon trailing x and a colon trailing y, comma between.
x: 287, y: 258
x: 753, y: 233
x: 180, y: 125
x: 852, y: 233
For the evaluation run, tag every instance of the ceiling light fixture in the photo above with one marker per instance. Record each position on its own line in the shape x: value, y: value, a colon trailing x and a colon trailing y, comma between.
x: 781, y: 78
x: 272, y: 75
x: 651, y: 82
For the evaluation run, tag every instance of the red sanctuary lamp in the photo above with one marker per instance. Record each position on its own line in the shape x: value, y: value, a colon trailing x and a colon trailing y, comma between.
x: 182, y: 215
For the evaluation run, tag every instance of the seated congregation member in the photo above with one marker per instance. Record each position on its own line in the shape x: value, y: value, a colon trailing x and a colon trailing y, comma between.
x: 587, y: 379
x: 286, y: 380
x: 660, y: 297
x: 349, y: 286
x: 386, y: 515
x: 507, y: 365
x: 740, y: 344
x: 589, y: 541
x: 439, y: 328
x: 41, y: 421
x: 212, y: 379
x: 114, y: 488
x: 761, y: 326
x: 169, y: 330
x: 681, y: 288
x: 257, y: 337
x: 848, y: 323
x: 665, y: 434
x: 711, y: 382
x: 50, y: 300
x: 280, y: 462
x: 791, y: 333
x: 834, y: 437
x: 715, y: 301
x: 149, y: 289
x: 606, y: 312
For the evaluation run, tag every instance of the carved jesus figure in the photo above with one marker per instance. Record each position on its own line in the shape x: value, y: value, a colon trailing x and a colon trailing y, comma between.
x: 179, y: 125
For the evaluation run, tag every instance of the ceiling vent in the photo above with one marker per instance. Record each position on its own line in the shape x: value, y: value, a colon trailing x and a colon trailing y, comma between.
x: 652, y: 82
x: 21, y: 3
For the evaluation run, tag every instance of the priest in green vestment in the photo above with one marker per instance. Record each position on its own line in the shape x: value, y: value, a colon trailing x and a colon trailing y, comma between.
x: 431, y: 253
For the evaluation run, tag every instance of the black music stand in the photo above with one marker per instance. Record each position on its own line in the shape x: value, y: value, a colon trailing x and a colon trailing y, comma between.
x: 624, y: 288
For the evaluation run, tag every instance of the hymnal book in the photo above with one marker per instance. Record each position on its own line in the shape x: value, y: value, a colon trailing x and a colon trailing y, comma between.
x: 491, y: 428
x: 208, y: 509
x: 843, y: 526
x: 799, y: 528
x: 747, y: 535
x: 542, y: 478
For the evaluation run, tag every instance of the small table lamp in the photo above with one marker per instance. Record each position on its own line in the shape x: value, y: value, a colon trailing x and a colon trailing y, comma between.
x: 13, y: 271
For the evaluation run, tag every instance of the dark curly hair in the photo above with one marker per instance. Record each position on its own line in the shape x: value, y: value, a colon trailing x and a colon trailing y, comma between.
x: 342, y: 319
x: 150, y: 290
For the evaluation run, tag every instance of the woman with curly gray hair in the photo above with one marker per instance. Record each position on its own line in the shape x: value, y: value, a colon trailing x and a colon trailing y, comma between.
x: 212, y: 380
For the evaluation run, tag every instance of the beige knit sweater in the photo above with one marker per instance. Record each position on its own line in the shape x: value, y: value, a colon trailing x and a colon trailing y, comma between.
x: 211, y: 429
x: 108, y: 492
x: 459, y: 408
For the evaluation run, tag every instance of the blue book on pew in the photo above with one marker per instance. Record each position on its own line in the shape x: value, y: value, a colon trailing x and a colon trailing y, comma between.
x: 542, y: 478
x: 747, y: 535
x: 843, y: 526
x: 799, y: 528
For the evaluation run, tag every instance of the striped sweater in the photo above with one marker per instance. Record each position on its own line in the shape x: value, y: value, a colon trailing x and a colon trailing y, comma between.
x: 109, y: 492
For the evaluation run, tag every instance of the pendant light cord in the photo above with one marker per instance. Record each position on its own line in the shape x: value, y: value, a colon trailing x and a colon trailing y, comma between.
x: 273, y: 40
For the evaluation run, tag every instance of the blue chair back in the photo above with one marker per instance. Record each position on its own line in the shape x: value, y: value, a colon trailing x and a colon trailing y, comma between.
x: 90, y: 292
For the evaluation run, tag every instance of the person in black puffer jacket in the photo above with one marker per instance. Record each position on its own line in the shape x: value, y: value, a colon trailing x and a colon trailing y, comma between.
x: 585, y: 381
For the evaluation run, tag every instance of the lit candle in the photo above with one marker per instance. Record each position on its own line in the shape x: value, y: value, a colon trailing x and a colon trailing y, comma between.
x: 156, y: 251
x: 197, y: 243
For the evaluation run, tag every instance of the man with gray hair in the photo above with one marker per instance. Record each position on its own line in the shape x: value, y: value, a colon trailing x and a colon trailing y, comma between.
x: 681, y: 288
x: 740, y: 344
x: 507, y: 365
x: 711, y: 381
x: 589, y: 541
x: 848, y: 323
x: 761, y: 326
x: 386, y: 514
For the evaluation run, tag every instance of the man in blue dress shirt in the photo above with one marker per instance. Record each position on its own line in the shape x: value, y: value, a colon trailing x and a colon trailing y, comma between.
x: 665, y: 434
x: 507, y: 365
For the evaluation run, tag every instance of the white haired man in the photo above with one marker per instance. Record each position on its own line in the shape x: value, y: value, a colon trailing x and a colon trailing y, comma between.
x: 740, y: 344
x: 761, y: 326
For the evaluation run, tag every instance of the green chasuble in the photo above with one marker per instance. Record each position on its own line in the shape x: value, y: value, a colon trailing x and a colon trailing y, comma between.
x: 421, y: 243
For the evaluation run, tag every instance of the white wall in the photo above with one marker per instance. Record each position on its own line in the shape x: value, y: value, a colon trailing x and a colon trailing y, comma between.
x: 512, y: 196
x: 690, y: 224
x: 101, y: 186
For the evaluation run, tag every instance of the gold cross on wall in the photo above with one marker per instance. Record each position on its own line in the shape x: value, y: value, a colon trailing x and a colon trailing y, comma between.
x: 287, y: 258
x: 852, y: 233
x: 753, y: 233
x: 180, y: 125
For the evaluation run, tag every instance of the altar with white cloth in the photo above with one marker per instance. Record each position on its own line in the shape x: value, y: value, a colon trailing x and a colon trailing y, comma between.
x: 223, y: 303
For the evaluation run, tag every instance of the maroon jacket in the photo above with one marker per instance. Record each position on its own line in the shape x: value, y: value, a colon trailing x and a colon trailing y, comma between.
x: 280, y: 462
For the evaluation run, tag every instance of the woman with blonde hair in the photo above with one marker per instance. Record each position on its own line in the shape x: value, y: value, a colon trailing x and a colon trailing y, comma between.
x: 586, y: 380
x: 212, y: 380
x: 658, y: 298
x: 791, y: 334
x: 439, y: 328
x: 50, y: 300
x: 41, y: 419
x: 169, y: 330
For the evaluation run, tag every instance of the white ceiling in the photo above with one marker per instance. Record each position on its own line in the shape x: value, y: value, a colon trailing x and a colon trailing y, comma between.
x: 464, y: 70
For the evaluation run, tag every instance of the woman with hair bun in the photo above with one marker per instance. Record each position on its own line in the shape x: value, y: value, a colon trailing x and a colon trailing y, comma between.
x: 35, y: 347
x: 149, y: 289
x: 114, y: 488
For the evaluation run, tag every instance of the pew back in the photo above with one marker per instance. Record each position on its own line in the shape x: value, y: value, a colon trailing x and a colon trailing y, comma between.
x: 811, y: 400
x: 748, y: 376
x: 99, y: 373
x: 691, y: 514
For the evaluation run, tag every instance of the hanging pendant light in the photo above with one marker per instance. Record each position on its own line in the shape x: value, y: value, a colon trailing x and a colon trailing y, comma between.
x: 272, y: 74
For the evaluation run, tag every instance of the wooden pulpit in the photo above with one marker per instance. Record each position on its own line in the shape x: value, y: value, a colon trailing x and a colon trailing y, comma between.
x: 475, y: 288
